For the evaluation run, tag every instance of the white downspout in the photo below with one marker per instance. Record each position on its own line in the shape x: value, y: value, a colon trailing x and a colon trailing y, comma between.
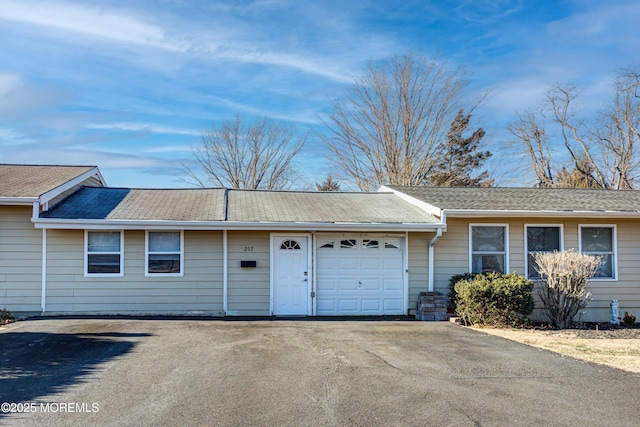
x: 432, y: 252
x: 225, y: 280
x: 43, y: 302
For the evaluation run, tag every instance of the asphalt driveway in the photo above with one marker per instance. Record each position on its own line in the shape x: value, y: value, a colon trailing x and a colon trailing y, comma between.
x: 300, y: 373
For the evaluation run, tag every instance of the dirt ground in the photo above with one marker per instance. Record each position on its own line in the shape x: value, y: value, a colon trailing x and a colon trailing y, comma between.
x: 618, y: 348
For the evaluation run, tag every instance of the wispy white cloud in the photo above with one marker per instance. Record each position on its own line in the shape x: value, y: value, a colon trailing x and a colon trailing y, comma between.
x: 169, y: 149
x: 143, y: 127
x: 306, y: 64
x: 88, y: 21
x: 8, y: 83
x: 8, y: 135
x: 18, y: 96
x: 175, y: 35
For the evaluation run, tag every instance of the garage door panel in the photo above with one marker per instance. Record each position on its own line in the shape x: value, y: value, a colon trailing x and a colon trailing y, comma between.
x: 360, y: 278
x: 346, y: 305
x: 326, y: 305
x: 348, y: 284
x: 371, y: 305
x: 392, y: 305
x: 329, y: 284
x: 370, y: 263
x: 392, y: 263
x: 392, y: 285
x: 349, y: 263
x: 371, y: 284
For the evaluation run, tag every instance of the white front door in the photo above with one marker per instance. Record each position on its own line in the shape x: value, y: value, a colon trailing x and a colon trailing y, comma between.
x: 290, y: 282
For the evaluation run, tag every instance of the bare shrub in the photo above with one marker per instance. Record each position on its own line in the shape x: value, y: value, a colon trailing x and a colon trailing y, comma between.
x: 5, y: 316
x: 564, y: 277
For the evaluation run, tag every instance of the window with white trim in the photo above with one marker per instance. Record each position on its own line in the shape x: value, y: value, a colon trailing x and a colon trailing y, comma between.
x: 488, y: 248
x: 540, y: 239
x: 600, y: 240
x: 392, y: 243
x: 103, y: 253
x: 164, y: 253
x: 348, y: 244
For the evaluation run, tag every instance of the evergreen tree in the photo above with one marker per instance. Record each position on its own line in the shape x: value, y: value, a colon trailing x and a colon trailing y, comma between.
x: 460, y: 157
x: 329, y: 184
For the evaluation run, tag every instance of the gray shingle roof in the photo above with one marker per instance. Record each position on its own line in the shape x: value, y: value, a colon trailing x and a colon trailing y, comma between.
x: 328, y: 207
x: 145, y: 204
x: 243, y: 206
x: 525, y: 199
x: 33, y: 180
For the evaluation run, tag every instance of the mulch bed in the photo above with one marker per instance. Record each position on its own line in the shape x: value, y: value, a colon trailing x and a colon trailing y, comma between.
x: 596, y: 330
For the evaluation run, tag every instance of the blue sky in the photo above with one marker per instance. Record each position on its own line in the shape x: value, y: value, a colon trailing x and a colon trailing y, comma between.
x: 131, y: 85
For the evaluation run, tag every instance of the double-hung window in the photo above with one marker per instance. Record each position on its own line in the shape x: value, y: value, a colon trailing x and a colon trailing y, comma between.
x: 600, y: 240
x: 165, y: 254
x: 540, y: 239
x: 489, y: 248
x: 103, y: 253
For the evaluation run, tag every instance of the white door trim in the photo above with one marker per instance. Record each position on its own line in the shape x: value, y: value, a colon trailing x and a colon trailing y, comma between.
x: 405, y: 275
x: 272, y: 237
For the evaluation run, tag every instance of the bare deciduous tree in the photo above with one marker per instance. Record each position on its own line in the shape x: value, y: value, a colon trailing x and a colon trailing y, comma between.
x: 395, y: 117
x: 602, y: 152
x: 535, y: 141
x: 246, y: 154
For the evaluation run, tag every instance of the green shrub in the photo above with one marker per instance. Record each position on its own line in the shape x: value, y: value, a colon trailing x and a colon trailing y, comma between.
x: 452, y: 302
x: 494, y: 299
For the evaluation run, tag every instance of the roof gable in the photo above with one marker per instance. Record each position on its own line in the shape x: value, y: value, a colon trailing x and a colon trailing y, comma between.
x: 32, y: 181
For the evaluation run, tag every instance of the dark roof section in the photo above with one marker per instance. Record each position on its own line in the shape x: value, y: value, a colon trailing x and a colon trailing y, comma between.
x: 32, y: 181
x: 142, y: 204
x: 525, y: 199
x: 323, y: 207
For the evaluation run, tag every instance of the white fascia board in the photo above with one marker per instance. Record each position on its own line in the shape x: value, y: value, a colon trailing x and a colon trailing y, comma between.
x: 468, y: 213
x: 84, y: 224
x: 52, y: 194
x: 20, y: 201
x: 428, y: 208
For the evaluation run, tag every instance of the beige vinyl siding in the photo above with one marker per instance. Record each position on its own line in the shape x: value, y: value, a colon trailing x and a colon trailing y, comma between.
x: 418, y: 266
x: 199, y: 291
x: 452, y: 257
x: 248, y: 288
x: 20, y: 261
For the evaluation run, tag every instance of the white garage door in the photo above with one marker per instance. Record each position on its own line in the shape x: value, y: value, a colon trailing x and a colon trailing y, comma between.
x: 359, y: 275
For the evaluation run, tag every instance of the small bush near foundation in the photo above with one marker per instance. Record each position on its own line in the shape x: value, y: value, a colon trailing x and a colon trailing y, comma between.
x: 452, y: 302
x: 494, y: 299
x: 628, y: 319
x: 5, y: 316
x: 564, y: 277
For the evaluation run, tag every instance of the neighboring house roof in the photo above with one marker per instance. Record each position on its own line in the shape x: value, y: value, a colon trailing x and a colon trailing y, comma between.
x: 142, y: 204
x: 495, y: 200
x: 32, y: 181
x: 235, y: 209
x: 322, y: 207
